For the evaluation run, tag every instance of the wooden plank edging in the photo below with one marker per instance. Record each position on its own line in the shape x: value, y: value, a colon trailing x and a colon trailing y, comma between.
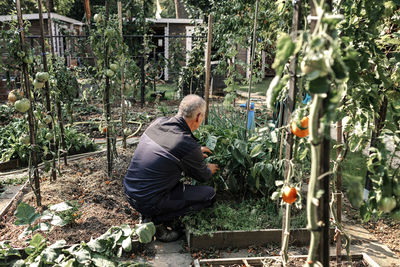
x: 258, y: 260
x: 243, y: 239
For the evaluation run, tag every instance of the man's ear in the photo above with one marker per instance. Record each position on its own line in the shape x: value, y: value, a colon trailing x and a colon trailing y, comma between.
x: 198, y: 117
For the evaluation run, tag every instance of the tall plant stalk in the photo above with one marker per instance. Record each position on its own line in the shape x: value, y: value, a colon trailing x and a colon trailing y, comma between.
x: 35, y: 184
x: 47, y: 93
x: 312, y: 200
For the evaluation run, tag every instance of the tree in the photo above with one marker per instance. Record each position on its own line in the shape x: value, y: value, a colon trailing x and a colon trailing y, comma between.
x: 180, y: 10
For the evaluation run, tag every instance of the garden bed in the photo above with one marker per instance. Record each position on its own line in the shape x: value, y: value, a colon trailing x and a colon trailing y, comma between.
x: 358, y: 260
x: 102, y: 203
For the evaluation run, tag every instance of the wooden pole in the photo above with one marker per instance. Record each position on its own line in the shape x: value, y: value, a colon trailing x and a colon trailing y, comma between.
x: 339, y: 141
x: 32, y: 137
x: 108, y: 105
x: 58, y: 102
x: 123, y: 111
x: 253, y: 48
x: 291, y: 102
x: 142, y: 63
x: 208, y: 67
x: 47, y: 90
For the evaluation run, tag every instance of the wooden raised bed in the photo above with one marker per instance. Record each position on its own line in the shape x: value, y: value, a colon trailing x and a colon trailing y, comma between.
x: 243, y: 239
x: 258, y: 261
x: 11, y: 164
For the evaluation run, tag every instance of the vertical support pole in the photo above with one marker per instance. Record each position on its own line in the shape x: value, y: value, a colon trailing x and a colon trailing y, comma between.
x: 123, y: 111
x: 58, y: 103
x: 32, y: 137
x: 166, y: 51
x: 290, y: 106
x: 253, y: 52
x: 142, y: 62
x: 339, y: 141
x: 108, y: 104
x: 208, y: 67
x: 47, y: 90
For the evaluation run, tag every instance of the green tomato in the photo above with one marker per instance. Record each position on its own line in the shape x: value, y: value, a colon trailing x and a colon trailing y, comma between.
x: 28, y: 59
x: 127, y: 132
x: 21, y: 54
x: 114, y: 67
x: 47, y: 119
x: 24, y: 140
x: 387, y: 204
x: 109, y: 73
x: 49, y: 136
x: 42, y: 76
x: 22, y: 105
x: 37, y: 85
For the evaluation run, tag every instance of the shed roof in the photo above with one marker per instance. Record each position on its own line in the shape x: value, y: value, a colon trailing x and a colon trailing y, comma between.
x: 175, y: 21
x: 35, y: 16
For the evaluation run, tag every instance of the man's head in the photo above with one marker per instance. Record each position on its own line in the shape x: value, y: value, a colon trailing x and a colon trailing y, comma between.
x: 192, y: 109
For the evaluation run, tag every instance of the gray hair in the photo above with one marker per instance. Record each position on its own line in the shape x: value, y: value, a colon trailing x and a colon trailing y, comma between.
x: 191, y: 105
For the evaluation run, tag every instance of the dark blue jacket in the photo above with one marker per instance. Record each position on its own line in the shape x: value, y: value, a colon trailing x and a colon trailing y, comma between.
x: 166, y: 150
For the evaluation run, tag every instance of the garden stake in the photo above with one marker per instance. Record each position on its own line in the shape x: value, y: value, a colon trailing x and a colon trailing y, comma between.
x: 108, y: 105
x: 313, y: 224
x: 253, y: 48
x: 208, y: 67
x: 291, y: 102
x: 58, y: 102
x: 123, y: 111
x: 47, y: 93
x: 32, y: 136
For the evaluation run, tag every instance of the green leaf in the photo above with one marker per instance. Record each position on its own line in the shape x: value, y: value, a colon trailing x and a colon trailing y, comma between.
x: 211, y: 142
x: 25, y: 214
x: 97, y: 245
x: 127, y: 244
x: 102, y: 261
x: 37, y: 240
x: 82, y: 256
x: 63, y: 206
x: 319, y: 86
x: 256, y: 150
x: 284, y: 49
x: 145, y: 232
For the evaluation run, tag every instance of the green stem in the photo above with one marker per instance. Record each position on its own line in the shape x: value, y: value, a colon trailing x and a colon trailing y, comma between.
x: 312, y: 187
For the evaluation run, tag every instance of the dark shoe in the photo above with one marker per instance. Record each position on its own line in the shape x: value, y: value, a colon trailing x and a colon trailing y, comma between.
x: 164, y: 234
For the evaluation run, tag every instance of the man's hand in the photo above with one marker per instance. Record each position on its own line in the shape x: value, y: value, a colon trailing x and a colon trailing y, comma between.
x: 213, y: 167
x: 205, y: 150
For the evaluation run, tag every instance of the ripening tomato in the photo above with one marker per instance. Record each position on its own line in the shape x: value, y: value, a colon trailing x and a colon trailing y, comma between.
x: 289, y: 194
x: 301, y: 131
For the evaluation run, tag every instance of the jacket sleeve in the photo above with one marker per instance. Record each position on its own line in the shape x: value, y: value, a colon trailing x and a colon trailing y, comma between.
x: 195, y: 166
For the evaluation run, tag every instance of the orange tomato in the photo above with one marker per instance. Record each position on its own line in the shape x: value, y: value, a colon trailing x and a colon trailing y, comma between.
x: 300, y: 131
x: 289, y: 194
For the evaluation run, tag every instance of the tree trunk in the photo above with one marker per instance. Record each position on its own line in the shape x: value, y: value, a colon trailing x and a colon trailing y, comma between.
x: 180, y: 11
x: 51, y: 6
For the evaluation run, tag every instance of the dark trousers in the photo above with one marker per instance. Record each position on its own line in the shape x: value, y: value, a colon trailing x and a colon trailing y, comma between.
x: 181, y: 200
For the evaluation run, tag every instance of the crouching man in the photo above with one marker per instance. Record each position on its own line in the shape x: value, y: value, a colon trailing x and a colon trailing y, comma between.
x: 166, y: 151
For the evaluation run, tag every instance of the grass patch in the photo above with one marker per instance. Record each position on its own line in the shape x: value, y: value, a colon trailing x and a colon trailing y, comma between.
x: 258, y: 87
x: 253, y: 214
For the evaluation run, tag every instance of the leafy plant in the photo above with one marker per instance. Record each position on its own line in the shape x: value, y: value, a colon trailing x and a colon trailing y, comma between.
x: 246, y: 166
x: 250, y: 214
x: 102, y: 251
